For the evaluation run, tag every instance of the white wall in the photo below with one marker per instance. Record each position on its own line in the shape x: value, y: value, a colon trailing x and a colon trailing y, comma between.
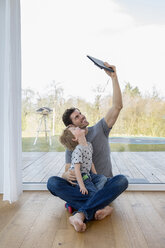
x: 2, y: 26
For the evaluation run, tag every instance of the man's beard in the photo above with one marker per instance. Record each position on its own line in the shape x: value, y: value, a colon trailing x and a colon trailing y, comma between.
x: 85, y: 125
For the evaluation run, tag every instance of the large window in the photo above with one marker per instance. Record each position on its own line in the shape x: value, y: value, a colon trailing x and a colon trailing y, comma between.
x: 56, y: 74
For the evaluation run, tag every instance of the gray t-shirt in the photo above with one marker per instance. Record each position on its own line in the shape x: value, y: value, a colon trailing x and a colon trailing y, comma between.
x: 98, y: 135
x: 82, y: 155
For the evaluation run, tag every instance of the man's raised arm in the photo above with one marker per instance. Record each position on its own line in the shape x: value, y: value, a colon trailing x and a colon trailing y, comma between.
x: 117, y: 104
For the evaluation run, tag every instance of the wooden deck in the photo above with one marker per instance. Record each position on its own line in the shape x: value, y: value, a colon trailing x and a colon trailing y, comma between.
x: 139, y: 167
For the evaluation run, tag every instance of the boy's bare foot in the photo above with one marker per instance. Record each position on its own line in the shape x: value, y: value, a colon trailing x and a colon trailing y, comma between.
x: 102, y: 213
x: 77, y: 221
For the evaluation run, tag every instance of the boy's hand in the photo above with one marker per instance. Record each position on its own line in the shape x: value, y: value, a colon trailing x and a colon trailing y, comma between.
x: 83, y: 190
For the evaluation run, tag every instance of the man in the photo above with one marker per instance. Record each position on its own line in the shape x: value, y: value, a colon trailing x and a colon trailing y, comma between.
x: 98, y: 136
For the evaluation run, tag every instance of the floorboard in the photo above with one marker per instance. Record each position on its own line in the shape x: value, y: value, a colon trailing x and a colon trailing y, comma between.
x: 39, y: 220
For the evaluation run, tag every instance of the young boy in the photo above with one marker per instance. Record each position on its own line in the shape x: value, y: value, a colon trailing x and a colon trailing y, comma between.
x: 74, y: 139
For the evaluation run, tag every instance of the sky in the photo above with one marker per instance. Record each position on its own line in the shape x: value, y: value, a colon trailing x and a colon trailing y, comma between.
x: 58, y: 34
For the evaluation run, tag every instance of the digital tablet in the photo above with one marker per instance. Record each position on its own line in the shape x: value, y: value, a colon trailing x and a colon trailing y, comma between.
x: 100, y: 64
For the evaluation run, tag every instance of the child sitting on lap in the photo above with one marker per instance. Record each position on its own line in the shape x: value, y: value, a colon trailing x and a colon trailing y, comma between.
x: 74, y: 139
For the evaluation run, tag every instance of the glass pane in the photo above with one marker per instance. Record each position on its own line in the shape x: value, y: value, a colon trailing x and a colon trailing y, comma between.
x: 56, y: 74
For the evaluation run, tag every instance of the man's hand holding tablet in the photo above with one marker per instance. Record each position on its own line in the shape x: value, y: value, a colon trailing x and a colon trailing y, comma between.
x: 109, y: 69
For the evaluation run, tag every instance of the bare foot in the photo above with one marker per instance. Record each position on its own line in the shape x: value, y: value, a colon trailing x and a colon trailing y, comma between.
x: 102, y: 213
x: 77, y: 221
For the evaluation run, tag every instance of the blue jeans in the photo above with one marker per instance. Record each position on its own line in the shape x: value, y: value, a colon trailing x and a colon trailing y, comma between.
x: 94, y: 183
x: 84, y: 203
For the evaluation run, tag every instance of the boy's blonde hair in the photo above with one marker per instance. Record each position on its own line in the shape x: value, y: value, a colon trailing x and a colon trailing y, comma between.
x: 66, y: 139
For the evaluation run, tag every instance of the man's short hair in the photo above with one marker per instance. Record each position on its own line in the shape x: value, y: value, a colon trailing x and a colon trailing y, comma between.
x: 66, y: 116
x: 66, y: 139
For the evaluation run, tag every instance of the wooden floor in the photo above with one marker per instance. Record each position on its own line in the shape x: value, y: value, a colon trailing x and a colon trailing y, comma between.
x: 39, y: 220
x: 146, y: 167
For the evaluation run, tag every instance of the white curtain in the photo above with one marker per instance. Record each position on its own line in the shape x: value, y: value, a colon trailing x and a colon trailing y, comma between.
x: 10, y: 100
